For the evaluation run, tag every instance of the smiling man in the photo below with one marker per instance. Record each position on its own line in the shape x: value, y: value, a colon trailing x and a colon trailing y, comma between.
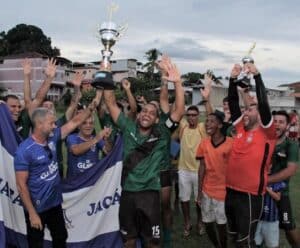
x: 249, y: 161
x: 213, y: 153
x: 285, y: 163
x: 37, y: 175
x: 144, y: 151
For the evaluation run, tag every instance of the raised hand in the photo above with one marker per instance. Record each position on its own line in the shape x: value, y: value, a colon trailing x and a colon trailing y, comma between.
x: 250, y: 68
x: 236, y: 71
x: 51, y: 68
x: 162, y: 64
x: 173, y: 74
x: 125, y: 84
x: 106, y: 132
x: 77, y: 79
x: 207, y: 86
x: 26, y: 64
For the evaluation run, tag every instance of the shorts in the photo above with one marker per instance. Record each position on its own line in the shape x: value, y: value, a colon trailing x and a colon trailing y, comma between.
x: 243, y: 211
x: 166, y: 178
x: 286, y: 220
x: 267, y: 233
x: 139, y: 216
x: 213, y: 210
x: 187, y: 182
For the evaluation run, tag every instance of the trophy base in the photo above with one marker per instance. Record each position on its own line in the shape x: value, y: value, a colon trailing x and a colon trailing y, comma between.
x: 103, y: 80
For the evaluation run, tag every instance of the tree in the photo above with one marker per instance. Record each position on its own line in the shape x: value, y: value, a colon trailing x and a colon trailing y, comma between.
x: 26, y: 38
x: 151, y: 56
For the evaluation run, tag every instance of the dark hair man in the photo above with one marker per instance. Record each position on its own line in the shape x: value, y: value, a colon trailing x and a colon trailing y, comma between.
x: 249, y: 161
x: 144, y: 145
x: 285, y: 163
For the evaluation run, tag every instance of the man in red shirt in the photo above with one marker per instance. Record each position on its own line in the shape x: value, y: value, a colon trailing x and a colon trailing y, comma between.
x: 253, y: 145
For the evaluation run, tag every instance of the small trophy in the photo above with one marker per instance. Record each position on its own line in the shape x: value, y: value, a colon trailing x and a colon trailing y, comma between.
x: 109, y: 34
x: 244, y: 79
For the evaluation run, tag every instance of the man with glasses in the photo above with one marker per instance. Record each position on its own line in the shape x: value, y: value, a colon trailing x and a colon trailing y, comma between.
x: 37, y: 175
x: 190, y: 135
x: 249, y: 160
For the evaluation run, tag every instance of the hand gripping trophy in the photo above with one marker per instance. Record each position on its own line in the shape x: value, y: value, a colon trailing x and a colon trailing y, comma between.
x: 244, y: 79
x: 109, y: 34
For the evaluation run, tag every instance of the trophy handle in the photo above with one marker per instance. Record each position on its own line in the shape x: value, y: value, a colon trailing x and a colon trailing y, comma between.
x: 121, y: 31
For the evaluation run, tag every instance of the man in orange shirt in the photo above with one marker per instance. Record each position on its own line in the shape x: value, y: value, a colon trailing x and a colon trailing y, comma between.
x: 213, y: 153
x: 253, y: 145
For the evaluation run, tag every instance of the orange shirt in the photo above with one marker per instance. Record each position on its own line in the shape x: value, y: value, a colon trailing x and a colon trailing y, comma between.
x: 216, y: 161
x: 250, y: 158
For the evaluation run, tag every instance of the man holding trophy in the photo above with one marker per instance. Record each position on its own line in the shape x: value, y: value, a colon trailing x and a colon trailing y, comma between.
x: 144, y: 143
x: 249, y: 161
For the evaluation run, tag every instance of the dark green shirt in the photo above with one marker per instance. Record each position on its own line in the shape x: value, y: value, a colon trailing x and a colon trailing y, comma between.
x: 145, y: 175
x: 24, y: 124
x: 285, y: 152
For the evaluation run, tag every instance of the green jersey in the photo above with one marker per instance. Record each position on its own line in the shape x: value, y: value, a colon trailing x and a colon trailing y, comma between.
x: 24, y: 125
x: 145, y: 175
x: 284, y: 153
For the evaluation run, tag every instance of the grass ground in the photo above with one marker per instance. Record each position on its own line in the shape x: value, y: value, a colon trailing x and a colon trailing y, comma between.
x: 195, y: 241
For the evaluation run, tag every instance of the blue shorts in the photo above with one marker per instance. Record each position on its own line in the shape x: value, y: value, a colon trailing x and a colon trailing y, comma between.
x: 267, y: 233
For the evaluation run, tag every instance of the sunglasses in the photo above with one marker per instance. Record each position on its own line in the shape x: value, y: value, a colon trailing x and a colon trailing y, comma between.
x: 191, y: 115
x: 48, y: 151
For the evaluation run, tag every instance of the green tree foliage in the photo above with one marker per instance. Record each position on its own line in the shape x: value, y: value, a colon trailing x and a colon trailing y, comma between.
x: 152, y: 56
x: 26, y: 38
x: 192, y: 77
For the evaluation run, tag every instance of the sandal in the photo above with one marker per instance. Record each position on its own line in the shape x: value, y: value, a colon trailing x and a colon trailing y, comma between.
x: 187, y: 232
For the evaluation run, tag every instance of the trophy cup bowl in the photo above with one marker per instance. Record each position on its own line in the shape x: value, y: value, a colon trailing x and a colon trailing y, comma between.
x: 109, y: 34
x: 244, y: 80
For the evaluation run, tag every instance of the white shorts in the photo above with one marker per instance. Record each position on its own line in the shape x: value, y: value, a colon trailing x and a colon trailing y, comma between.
x: 187, y: 182
x: 213, y: 210
x: 267, y: 232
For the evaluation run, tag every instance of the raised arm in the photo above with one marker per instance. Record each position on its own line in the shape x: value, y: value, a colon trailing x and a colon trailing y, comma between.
x: 82, y: 148
x: 26, y: 64
x: 111, y: 103
x: 76, y: 96
x: 262, y: 98
x: 80, y: 118
x: 164, y: 94
x: 233, y: 96
x: 173, y: 75
x: 43, y: 90
x: 206, y: 93
x: 132, y: 103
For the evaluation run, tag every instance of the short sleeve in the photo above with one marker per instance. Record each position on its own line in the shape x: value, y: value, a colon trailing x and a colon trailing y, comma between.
x: 71, y: 140
x: 202, y: 130
x: 200, y: 150
x: 293, y: 152
x: 123, y: 122
x: 21, y: 162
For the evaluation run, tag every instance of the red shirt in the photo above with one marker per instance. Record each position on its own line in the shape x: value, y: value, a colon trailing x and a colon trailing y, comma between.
x: 250, y: 158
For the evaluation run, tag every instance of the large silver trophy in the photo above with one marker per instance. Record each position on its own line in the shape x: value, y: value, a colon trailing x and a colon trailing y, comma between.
x: 244, y: 78
x: 109, y: 33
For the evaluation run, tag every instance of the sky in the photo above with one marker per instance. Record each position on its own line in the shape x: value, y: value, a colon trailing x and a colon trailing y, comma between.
x: 197, y: 34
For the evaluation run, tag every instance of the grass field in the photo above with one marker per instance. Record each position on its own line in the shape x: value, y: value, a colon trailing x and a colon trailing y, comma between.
x: 195, y: 241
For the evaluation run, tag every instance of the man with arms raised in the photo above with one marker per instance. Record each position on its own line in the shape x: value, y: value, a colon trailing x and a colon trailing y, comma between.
x: 37, y: 176
x: 246, y: 174
x: 144, y: 146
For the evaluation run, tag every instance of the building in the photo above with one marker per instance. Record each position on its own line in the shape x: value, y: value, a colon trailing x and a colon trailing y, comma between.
x: 11, y: 74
